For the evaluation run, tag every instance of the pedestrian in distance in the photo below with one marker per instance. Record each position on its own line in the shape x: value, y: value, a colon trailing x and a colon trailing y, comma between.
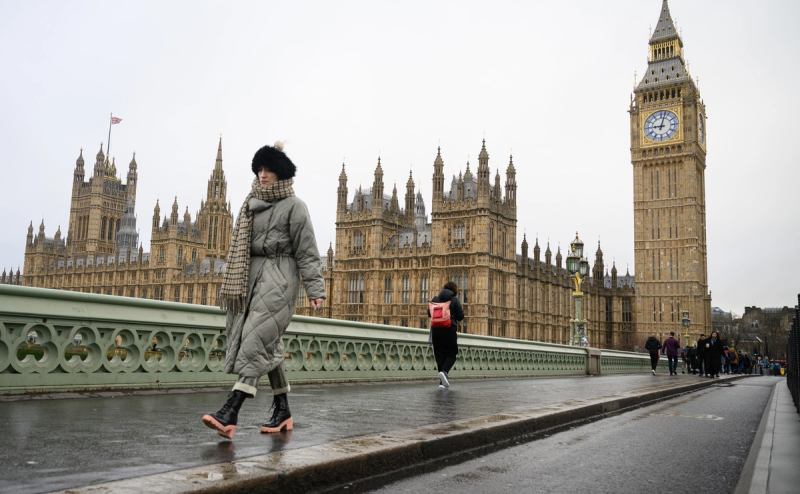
x: 736, y: 361
x: 652, y: 345
x: 693, y: 360
x: 686, y: 365
x: 445, y: 311
x: 671, y: 347
x: 701, y: 354
x: 713, y: 353
x: 271, y: 246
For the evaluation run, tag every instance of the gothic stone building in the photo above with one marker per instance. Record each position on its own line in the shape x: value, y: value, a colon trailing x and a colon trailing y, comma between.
x: 391, y: 261
x: 668, y: 153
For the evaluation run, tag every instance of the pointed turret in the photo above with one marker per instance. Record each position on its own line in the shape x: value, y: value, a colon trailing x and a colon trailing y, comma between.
x: 536, y: 250
x: 330, y: 257
x: 597, y: 269
x: 496, y: 193
x: 410, y: 200
x: 79, y: 173
x: 614, y: 269
x: 524, y: 247
x: 218, y: 163
x: 132, y: 179
x: 377, y: 190
x: 99, y: 167
x: 19, y: 277
x: 41, y: 230
x: 156, y: 217
x: 460, y: 188
x: 438, y: 179
x: 483, y: 174
x: 548, y: 255
x: 395, y: 207
x: 173, y: 218
x: 341, y: 192
x: 558, y: 258
x: 511, y: 182
x: 187, y: 219
x: 30, y: 234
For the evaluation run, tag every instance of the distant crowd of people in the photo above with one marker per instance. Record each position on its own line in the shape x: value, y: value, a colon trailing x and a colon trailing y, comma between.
x: 709, y: 357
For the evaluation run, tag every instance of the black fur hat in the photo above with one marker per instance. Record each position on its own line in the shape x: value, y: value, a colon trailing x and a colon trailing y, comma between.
x: 275, y: 160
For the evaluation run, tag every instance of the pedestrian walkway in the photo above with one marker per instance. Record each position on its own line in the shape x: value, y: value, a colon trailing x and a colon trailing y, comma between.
x: 58, y: 444
x: 776, y: 453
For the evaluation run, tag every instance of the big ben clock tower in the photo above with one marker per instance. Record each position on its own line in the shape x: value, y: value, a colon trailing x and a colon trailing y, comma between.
x: 668, y: 153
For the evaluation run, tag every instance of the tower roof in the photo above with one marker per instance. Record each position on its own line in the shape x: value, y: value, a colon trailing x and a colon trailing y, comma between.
x: 666, y: 65
x: 218, y: 164
x: 665, y: 27
x: 79, y: 161
x: 100, y: 155
x: 133, y: 164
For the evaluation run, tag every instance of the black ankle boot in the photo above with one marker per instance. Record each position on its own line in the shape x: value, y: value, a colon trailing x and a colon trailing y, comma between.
x: 281, y: 417
x: 225, y: 419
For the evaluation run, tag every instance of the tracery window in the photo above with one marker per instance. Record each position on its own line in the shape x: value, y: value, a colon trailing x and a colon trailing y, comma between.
x: 356, y: 293
x: 358, y: 241
x: 423, y: 292
x: 406, y: 289
x: 461, y: 279
x: 387, y: 290
x: 180, y: 256
x: 458, y: 233
x: 161, y: 254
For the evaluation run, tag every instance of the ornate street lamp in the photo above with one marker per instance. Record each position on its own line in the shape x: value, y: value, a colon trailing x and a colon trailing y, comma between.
x: 578, y: 267
x: 686, y: 323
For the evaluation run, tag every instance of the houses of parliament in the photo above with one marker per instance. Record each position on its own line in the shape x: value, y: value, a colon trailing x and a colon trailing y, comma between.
x: 390, y: 257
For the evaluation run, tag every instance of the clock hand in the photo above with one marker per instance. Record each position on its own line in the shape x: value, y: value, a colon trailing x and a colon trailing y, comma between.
x: 663, y: 116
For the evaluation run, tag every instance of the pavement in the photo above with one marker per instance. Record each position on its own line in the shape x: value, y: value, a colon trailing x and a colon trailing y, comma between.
x: 54, y: 444
x: 698, y: 442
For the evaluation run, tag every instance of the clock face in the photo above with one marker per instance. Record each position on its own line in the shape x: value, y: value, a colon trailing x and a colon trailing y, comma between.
x: 702, y: 129
x: 661, y: 125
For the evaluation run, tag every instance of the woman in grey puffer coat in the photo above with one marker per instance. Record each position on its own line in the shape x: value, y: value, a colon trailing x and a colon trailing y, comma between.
x: 272, y: 245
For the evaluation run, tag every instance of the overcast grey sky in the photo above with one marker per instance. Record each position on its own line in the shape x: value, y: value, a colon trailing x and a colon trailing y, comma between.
x: 345, y: 80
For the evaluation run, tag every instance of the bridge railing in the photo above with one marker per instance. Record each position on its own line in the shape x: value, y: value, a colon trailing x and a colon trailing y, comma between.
x: 53, y: 340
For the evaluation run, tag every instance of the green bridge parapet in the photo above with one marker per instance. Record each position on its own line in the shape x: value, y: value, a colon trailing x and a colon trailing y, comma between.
x: 52, y: 340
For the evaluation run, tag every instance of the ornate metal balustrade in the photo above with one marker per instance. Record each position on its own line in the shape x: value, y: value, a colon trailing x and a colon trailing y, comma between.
x: 54, y: 340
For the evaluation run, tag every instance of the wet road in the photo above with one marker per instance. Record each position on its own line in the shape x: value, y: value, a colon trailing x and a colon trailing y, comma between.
x: 694, y: 443
x: 57, y: 444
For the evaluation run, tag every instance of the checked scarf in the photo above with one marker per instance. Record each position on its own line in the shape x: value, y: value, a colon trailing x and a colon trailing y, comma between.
x: 233, y: 293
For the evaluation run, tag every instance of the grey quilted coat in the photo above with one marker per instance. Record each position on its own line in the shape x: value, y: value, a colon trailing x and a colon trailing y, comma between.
x: 282, y: 249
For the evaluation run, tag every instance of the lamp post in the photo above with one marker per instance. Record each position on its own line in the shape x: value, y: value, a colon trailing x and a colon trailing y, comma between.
x: 578, y: 268
x: 686, y: 323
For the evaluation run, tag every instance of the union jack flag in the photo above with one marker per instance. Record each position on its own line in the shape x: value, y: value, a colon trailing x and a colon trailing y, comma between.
x: 115, y: 120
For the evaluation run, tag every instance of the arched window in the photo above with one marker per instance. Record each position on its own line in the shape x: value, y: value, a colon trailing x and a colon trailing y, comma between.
x: 180, y: 256
x: 161, y: 254
x: 194, y: 255
x: 116, y: 230
x: 103, y: 229
x: 358, y: 241
x: 458, y: 233
x: 387, y: 290
x: 216, y: 190
x: 406, y: 289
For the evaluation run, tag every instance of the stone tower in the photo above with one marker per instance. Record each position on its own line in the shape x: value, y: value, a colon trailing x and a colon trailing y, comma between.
x: 668, y: 153
x: 98, y: 205
x: 215, y: 216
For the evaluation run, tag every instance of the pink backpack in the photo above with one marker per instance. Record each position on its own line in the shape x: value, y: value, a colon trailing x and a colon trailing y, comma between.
x: 440, y: 314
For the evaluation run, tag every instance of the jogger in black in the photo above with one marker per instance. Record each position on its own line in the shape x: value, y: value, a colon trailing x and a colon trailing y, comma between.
x: 445, y: 340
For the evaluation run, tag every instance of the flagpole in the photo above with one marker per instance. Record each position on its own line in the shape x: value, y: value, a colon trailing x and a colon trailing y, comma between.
x: 108, y: 148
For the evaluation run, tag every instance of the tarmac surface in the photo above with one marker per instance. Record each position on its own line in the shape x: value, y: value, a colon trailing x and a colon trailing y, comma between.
x: 697, y: 442
x: 51, y: 444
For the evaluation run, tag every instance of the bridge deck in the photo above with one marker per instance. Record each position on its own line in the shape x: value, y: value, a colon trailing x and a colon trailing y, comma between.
x: 53, y: 444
